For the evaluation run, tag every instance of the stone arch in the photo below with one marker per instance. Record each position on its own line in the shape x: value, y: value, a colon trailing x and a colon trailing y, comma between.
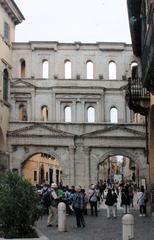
x: 34, y: 152
x: 41, y: 166
x: 97, y: 159
x: 114, y: 152
x: 138, y: 157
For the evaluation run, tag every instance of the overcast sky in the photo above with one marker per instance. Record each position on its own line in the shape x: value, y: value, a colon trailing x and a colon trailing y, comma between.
x: 73, y: 20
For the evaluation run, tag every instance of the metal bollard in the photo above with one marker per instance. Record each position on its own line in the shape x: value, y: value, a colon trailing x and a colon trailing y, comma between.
x: 62, y: 217
x: 128, y: 227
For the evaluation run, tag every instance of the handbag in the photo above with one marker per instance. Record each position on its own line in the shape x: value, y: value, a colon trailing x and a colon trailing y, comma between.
x: 91, y: 196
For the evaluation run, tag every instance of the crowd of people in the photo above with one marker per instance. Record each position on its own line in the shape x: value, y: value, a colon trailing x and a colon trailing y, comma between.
x: 77, y: 200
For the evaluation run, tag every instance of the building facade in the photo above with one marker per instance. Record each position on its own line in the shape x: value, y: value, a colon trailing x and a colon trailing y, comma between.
x: 68, y: 101
x: 10, y: 16
x: 141, y: 18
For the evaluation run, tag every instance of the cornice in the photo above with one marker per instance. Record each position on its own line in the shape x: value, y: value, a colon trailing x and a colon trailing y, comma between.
x: 13, y: 11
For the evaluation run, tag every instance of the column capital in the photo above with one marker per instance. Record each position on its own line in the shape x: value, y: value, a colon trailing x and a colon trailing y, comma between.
x: 71, y: 147
x: 87, y: 149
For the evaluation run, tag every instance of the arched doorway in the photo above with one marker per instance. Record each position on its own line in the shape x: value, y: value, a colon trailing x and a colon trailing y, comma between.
x: 117, y: 168
x: 42, y: 168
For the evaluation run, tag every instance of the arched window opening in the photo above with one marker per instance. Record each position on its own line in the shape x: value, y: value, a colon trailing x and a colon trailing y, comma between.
x: 112, y: 70
x: 113, y: 115
x: 22, y: 68
x: 45, y: 113
x: 137, y: 118
x: 5, y: 84
x: 90, y: 70
x: 22, y: 113
x: 68, y: 70
x: 45, y: 66
x: 67, y: 113
x: 91, y: 114
x: 134, y: 70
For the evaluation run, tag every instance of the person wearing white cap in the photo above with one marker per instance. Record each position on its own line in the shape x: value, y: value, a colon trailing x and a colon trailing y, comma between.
x: 53, y: 212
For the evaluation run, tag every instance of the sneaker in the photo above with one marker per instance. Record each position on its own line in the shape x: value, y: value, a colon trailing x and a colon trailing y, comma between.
x: 140, y: 215
x: 143, y: 215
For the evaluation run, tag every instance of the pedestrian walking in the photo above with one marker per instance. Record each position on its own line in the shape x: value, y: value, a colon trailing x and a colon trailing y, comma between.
x: 115, y: 197
x: 125, y: 199
x: 85, y: 212
x: 110, y: 204
x: 78, y: 206
x: 141, y: 200
x: 53, y: 212
x: 131, y: 194
x: 93, y: 199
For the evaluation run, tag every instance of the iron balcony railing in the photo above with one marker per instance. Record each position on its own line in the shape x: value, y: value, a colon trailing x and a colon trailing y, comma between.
x: 137, y: 96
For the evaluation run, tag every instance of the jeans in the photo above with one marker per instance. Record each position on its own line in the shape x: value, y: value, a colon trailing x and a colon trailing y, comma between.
x: 79, y: 217
x: 93, y: 206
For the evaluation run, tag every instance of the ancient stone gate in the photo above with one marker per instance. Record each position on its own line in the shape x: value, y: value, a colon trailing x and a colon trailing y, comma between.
x: 68, y: 100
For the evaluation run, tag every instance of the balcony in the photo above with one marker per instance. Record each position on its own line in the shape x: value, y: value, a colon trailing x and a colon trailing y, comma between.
x: 137, y: 97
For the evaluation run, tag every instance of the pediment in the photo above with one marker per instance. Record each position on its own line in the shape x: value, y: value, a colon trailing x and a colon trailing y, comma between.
x: 115, y: 131
x: 38, y: 130
x: 22, y: 84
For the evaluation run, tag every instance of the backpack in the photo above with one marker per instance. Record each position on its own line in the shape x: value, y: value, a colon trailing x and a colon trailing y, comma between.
x: 46, y: 198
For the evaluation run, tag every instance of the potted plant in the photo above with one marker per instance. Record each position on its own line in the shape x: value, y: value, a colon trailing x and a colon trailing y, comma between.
x: 20, y: 207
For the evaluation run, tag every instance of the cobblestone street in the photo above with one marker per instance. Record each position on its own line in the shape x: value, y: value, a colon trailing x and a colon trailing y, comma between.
x: 100, y: 228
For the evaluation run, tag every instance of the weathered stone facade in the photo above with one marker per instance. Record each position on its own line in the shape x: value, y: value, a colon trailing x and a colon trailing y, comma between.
x: 10, y: 16
x: 79, y: 145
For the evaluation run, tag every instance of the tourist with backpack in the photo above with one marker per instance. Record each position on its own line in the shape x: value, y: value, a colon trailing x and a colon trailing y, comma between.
x: 46, y: 196
x: 53, y: 212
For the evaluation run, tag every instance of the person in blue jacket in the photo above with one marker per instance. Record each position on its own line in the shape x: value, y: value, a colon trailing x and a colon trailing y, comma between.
x: 78, y: 206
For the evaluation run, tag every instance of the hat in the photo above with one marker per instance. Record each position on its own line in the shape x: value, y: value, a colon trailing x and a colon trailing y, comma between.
x: 54, y: 185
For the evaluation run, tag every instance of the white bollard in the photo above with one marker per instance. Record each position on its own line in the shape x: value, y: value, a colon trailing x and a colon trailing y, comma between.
x: 128, y: 227
x: 62, y: 217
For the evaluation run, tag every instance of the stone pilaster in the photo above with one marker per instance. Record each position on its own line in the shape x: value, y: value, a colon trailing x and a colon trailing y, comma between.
x: 87, y: 152
x: 72, y: 165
